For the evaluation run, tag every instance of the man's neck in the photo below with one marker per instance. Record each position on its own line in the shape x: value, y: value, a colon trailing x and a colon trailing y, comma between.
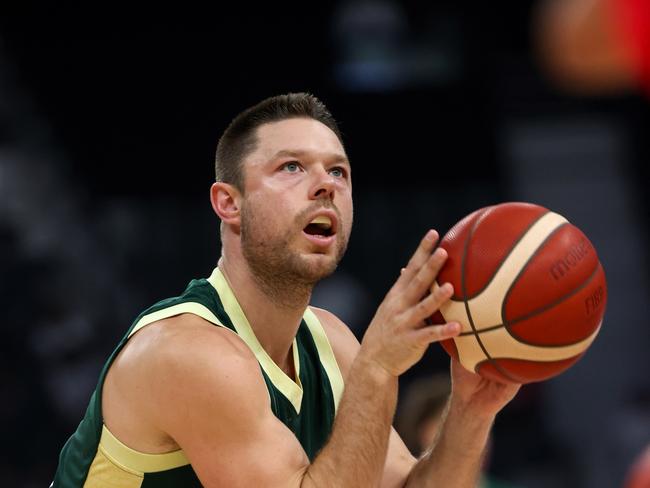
x: 275, y: 322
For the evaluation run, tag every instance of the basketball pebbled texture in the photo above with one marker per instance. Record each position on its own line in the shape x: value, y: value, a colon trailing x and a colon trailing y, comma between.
x: 529, y: 292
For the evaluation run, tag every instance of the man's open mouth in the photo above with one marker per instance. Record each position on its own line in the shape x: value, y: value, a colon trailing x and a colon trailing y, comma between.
x: 320, y: 226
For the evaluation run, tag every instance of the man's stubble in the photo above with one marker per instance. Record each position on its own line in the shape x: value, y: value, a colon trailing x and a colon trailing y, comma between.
x: 281, y: 272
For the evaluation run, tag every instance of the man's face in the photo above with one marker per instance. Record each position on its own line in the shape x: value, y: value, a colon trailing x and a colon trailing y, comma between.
x: 297, y: 207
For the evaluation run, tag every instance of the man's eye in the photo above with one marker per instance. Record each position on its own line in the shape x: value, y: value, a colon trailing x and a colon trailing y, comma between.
x: 291, y: 167
x: 337, y: 172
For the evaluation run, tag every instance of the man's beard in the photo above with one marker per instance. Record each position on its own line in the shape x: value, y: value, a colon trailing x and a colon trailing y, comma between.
x: 283, y: 274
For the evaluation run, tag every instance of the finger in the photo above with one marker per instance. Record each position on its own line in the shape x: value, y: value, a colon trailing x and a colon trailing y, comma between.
x: 428, y: 305
x: 419, y: 258
x: 437, y: 333
x: 421, y: 283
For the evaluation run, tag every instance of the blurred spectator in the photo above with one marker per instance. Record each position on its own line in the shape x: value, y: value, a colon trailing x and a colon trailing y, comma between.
x: 595, y: 46
x: 418, y: 419
x: 423, y: 405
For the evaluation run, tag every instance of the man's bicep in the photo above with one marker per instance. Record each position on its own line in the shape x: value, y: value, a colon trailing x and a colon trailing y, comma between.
x: 262, y: 453
x: 218, y: 412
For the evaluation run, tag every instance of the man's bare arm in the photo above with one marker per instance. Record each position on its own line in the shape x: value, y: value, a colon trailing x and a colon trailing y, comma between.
x: 399, y: 460
x: 215, y: 405
x: 213, y: 401
x: 456, y: 458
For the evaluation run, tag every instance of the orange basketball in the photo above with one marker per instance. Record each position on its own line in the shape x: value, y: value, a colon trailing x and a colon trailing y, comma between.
x: 529, y: 292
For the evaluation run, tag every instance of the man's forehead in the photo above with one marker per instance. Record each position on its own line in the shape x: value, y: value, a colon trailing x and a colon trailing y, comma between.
x: 295, y: 136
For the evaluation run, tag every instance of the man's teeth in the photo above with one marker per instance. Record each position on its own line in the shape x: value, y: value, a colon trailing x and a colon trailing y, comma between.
x: 322, y: 221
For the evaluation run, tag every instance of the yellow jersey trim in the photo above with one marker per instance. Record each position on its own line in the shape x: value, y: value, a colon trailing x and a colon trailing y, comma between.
x: 326, y: 354
x: 103, y: 472
x: 288, y: 387
x: 136, y: 462
x: 187, y: 307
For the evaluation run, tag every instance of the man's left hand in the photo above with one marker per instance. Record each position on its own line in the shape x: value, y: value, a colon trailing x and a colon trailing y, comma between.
x: 482, y: 396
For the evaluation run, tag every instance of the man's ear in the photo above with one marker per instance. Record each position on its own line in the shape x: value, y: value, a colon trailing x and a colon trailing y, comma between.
x: 226, y: 201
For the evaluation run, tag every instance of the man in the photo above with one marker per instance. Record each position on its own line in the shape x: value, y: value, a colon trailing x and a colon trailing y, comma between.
x: 239, y: 382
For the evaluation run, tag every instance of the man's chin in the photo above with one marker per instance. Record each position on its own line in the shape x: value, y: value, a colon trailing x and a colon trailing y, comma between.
x: 318, y: 266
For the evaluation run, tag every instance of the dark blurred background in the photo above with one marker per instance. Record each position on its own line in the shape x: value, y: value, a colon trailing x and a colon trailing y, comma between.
x: 108, y: 124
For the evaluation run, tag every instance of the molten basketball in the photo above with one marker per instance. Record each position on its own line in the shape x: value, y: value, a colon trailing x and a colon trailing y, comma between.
x: 529, y: 292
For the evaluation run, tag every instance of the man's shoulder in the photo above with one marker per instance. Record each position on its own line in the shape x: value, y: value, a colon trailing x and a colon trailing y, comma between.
x: 333, y: 325
x: 179, y: 354
x: 167, y: 367
x: 186, y: 338
x: 343, y: 341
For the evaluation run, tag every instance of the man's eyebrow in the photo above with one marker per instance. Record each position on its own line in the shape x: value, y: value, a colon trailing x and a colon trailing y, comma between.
x: 297, y: 154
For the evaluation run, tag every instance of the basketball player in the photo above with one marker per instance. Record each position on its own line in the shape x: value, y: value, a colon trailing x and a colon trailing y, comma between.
x: 238, y: 382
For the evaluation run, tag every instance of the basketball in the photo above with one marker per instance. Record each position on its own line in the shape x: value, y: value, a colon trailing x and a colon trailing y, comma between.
x: 529, y: 292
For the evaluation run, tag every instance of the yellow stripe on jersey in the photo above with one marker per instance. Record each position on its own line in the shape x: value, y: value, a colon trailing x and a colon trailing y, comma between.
x: 137, y: 462
x: 105, y: 474
x: 187, y: 307
x: 287, y: 386
x: 326, y: 354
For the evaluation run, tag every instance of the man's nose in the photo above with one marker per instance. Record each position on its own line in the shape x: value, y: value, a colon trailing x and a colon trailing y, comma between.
x: 323, y: 186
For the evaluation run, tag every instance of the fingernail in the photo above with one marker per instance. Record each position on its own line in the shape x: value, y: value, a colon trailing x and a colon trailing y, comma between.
x: 453, y: 327
x: 431, y: 235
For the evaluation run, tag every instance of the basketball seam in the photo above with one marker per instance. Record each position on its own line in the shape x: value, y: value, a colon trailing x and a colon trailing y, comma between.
x: 505, y: 258
x: 484, y: 329
x: 525, y: 265
x: 541, y: 309
x: 537, y: 311
x: 465, y: 300
x: 508, y: 323
x: 524, y: 380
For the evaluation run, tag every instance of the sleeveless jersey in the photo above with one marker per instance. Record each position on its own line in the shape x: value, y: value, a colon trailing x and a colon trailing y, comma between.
x: 93, y: 457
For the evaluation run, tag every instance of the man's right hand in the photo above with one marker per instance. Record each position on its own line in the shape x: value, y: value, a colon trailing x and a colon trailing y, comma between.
x: 398, y: 335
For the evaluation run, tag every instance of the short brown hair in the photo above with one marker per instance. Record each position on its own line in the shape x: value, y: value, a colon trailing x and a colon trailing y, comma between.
x: 240, y: 137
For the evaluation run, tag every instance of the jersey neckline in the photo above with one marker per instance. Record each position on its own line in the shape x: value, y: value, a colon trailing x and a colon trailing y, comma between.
x: 291, y: 389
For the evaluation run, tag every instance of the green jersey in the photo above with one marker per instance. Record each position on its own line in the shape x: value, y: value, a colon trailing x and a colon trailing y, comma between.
x: 94, y: 457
